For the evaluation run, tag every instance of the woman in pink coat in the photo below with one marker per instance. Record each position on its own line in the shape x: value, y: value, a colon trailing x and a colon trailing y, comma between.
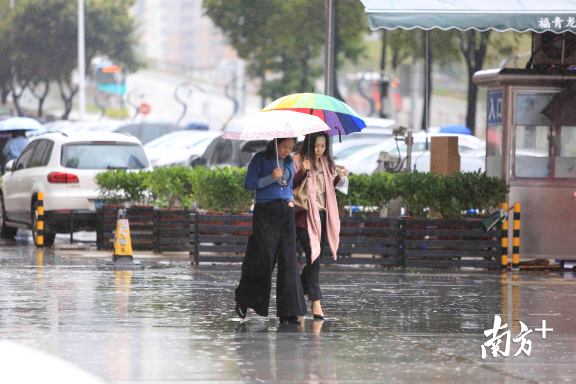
x: 321, y: 221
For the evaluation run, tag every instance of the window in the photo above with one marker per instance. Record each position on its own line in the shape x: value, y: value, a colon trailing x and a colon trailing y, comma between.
x: 103, y: 156
x: 494, y: 151
x: 223, y: 152
x: 132, y: 129
x: 533, y: 133
x: 565, y: 160
x: 39, y: 158
x: 542, y: 148
x: 25, y: 156
x: 352, y: 150
x: 250, y: 149
x: 151, y: 132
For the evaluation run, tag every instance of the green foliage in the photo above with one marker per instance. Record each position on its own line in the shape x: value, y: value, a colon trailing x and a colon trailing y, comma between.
x: 170, y: 187
x: 450, y: 196
x: 44, y: 40
x: 118, y: 186
x: 283, y: 40
x: 221, y: 189
x: 371, y: 192
x: 418, y: 191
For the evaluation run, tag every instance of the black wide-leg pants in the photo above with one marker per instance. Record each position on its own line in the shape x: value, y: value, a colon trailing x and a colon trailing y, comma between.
x: 273, y: 240
x: 311, y: 272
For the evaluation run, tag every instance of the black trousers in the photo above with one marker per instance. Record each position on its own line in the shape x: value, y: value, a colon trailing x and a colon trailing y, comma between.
x: 273, y: 240
x: 311, y: 273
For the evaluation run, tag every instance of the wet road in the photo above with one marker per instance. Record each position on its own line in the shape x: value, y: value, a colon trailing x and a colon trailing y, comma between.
x: 169, y: 322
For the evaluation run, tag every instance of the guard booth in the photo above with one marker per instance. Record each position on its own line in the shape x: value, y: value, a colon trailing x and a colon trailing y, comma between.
x: 531, y: 143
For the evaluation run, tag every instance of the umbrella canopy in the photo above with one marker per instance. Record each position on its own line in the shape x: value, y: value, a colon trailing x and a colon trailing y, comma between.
x: 340, y: 117
x: 455, y: 128
x: 520, y: 15
x: 20, y: 124
x: 272, y: 125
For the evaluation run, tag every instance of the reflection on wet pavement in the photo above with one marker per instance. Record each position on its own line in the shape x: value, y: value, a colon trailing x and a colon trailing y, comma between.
x: 169, y: 322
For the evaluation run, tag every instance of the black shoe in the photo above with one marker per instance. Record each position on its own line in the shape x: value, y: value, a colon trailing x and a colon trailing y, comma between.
x: 318, y: 317
x: 290, y: 320
x: 240, y: 311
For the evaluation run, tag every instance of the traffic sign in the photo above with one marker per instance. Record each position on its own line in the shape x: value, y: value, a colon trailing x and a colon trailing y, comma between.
x: 144, y: 108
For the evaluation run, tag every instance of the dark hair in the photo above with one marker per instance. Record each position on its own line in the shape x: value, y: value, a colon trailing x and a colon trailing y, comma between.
x: 271, y: 148
x: 19, y: 133
x: 308, y: 148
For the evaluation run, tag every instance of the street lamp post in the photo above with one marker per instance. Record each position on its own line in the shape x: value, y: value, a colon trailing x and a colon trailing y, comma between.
x: 329, y: 58
x: 81, y: 60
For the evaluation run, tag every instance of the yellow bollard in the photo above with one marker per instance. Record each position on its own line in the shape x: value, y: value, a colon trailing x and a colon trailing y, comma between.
x: 504, y: 260
x: 516, y: 240
x: 40, y: 223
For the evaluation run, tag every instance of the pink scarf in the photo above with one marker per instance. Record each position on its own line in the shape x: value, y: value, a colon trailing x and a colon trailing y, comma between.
x: 332, y: 217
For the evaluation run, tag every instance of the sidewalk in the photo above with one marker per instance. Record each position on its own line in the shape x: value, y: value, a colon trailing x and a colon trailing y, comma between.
x: 170, y: 322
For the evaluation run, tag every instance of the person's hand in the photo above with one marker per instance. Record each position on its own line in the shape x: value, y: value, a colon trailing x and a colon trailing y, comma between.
x: 306, y: 165
x: 344, y: 173
x: 277, y: 173
x: 291, y: 204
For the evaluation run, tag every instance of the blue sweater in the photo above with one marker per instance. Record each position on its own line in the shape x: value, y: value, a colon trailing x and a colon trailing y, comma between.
x: 259, y: 178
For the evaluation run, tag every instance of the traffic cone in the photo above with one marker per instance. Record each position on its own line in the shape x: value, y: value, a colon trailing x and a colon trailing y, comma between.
x: 122, y: 254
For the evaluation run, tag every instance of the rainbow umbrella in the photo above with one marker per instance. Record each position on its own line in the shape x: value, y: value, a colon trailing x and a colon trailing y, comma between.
x: 339, y: 116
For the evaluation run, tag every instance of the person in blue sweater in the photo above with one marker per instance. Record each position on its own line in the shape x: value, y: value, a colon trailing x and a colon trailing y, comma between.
x: 273, y: 238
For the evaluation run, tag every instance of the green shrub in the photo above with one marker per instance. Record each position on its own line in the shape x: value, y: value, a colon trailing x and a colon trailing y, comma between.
x: 372, y: 192
x: 449, y: 196
x: 170, y: 187
x: 418, y: 192
x: 118, y: 186
x: 221, y: 189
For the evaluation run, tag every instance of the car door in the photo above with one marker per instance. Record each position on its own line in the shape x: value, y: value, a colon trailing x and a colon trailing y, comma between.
x: 29, y: 176
x: 13, y: 196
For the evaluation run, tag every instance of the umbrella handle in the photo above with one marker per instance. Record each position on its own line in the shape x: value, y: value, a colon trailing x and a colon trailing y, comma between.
x: 277, y: 161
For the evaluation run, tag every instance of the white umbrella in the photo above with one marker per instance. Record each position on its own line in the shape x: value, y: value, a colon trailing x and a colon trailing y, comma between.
x: 273, y: 125
x: 20, y: 124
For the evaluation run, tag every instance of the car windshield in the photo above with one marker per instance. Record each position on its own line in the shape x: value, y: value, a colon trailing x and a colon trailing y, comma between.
x: 103, y: 155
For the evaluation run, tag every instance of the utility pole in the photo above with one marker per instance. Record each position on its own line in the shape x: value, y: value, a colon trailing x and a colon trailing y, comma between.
x: 81, y: 60
x: 329, y: 58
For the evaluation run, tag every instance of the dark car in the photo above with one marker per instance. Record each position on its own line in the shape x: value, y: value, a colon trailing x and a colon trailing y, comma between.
x: 147, y: 132
x: 225, y: 152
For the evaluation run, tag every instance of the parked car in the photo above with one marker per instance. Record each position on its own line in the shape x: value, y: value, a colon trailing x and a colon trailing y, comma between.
x: 351, y: 147
x: 226, y: 152
x: 179, y: 148
x: 145, y: 132
x: 63, y: 167
x: 366, y: 161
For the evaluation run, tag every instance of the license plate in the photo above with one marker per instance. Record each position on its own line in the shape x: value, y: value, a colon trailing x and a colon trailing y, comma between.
x: 99, y: 203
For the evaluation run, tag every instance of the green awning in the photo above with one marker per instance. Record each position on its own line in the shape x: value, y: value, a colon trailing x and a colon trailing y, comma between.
x: 502, y: 15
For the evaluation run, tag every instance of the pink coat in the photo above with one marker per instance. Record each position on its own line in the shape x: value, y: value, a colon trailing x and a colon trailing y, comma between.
x: 332, y: 216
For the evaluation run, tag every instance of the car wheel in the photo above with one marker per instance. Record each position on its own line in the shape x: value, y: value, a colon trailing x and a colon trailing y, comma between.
x: 48, y: 237
x: 6, y: 232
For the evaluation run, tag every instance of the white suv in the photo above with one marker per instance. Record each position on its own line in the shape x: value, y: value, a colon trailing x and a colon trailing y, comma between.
x: 63, y: 166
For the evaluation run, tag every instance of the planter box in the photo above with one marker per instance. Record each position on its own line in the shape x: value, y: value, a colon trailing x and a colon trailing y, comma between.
x: 141, y: 220
x: 172, y: 230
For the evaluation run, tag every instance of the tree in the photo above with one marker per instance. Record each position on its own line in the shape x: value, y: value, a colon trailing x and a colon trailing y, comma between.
x: 476, y: 47
x: 46, y: 39
x: 473, y: 45
x: 283, y: 40
x: 280, y: 40
x: 350, y: 27
x: 5, y: 51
